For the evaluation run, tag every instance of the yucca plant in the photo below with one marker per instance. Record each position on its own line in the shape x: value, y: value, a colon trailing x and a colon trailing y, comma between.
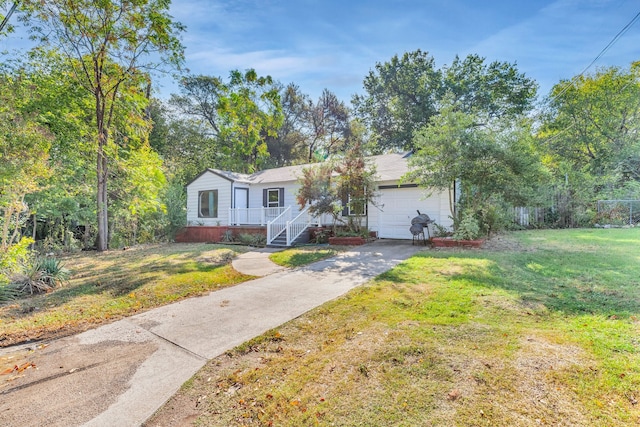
x: 53, y: 271
x: 42, y: 276
x: 8, y: 292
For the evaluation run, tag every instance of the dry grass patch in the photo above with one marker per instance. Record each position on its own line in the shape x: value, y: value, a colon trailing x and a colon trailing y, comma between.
x: 114, y: 284
x: 448, y: 338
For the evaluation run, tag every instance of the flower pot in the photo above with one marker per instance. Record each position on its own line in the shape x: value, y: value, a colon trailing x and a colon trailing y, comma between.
x: 347, y: 241
x: 448, y: 242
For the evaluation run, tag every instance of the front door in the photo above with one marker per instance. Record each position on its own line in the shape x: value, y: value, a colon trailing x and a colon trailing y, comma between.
x: 241, y: 200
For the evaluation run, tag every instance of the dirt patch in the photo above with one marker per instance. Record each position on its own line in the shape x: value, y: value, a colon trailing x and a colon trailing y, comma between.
x: 537, y: 363
x: 502, y: 242
x: 216, y: 257
x: 52, y: 385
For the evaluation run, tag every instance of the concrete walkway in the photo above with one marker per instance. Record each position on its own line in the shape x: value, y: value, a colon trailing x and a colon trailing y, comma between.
x: 130, y: 368
x: 257, y: 262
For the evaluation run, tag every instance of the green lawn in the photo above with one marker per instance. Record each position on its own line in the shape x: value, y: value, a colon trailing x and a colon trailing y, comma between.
x: 542, y: 332
x: 114, y: 284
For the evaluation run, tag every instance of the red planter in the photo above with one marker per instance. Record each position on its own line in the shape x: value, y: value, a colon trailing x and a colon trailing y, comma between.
x: 347, y: 241
x: 448, y: 242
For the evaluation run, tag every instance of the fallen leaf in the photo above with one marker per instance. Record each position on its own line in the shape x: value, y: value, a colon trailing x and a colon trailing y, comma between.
x: 454, y: 394
x: 8, y: 370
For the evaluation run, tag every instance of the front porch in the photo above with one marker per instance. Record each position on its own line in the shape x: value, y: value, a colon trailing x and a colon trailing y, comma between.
x: 282, y: 226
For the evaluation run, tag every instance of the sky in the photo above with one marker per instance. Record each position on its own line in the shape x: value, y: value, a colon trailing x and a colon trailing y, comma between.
x: 334, y: 44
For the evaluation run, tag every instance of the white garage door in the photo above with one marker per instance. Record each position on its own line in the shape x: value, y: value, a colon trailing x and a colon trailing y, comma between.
x: 399, y: 206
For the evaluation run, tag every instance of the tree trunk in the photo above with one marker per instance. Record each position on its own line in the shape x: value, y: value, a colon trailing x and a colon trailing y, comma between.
x: 101, y: 169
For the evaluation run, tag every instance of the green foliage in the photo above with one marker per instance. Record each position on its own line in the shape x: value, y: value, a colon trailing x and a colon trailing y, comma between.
x: 440, y: 230
x: 467, y: 228
x: 333, y: 187
x: 252, y: 239
x: 238, y: 116
x: 405, y: 93
x: 41, y: 275
x: 491, y: 161
x: 110, y: 46
x: 15, y: 255
x: 592, y: 123
x: 175, y: 201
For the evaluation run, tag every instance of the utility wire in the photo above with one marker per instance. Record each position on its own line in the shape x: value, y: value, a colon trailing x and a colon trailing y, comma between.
x: 602, y: 52
x: 6, y: 18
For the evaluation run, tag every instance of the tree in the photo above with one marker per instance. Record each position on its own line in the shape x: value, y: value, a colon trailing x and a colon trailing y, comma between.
x: 402, y: 95
x: 593, y: 121
x: 288, y: 145
x: 326, y: 126
x: 496, y: 162
x: 111, y: 46
x: 239, y: 115
x: 24, y: 152
x: 340, y: 186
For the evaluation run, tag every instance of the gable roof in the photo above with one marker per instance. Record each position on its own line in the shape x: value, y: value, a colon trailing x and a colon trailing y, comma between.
x: 389, y: 167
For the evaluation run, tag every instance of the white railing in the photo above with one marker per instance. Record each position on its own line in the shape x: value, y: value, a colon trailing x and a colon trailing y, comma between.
x: 296, y: 226
x: 277, y: 225
x: 254, y: 216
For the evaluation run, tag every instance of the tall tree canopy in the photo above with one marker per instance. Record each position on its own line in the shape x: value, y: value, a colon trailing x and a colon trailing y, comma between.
x: 239, y: 115
x: 593, y: 122
x: 403, y: 94
x: 496, y: 162
x: 111, y: 47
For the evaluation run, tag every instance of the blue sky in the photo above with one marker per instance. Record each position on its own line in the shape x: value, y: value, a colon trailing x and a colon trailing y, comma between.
x: 334, y: 43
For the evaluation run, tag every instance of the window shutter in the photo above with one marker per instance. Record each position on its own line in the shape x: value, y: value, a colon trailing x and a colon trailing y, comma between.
x: 281, y: 196
x: 345, y: 205
x: 264, y: 198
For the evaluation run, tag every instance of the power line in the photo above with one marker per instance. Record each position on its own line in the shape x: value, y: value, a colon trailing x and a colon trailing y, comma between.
x: 602, y: 52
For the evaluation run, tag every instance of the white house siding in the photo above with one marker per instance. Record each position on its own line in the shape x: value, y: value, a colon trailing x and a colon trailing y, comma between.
x: 209, y: 181
x: 397, y: 206
x: 290, y: 190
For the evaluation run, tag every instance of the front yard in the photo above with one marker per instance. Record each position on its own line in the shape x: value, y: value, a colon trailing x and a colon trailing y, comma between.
x: 107, y: 286
x: 541, y: 330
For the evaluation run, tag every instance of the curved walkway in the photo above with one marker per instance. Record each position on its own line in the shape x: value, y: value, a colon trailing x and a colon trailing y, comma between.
x: 121, y: 373
x: 257, y: 262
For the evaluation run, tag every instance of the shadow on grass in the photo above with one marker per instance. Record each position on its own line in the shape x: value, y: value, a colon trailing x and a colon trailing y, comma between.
x: 571, y: 282
x: 117, y: 280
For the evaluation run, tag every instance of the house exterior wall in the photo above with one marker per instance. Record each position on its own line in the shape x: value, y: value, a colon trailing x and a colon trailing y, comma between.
x: 391, y: 219
x: 209, y: 181
x: 398, y: 206
x: 290, y: 190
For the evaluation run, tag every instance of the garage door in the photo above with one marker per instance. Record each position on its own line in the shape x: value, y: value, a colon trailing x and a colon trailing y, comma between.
x: 399, y: 206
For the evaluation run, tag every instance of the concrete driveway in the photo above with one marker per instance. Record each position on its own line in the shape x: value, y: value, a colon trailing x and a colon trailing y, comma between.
x: 120, y: 374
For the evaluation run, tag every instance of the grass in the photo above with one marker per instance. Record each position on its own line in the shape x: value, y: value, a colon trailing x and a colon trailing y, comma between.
x: 297, y: 257
x: 107, y: 286
x: 542, y: 332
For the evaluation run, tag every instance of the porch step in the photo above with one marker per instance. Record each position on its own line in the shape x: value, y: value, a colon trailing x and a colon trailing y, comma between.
x: 281, y: 240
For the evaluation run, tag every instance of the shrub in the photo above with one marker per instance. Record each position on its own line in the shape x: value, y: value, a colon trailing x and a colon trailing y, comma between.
x: 440, y: 230
x: 8, y: 292
x: 468, y: 228
x: 252, y: 239
x: 42, y: 275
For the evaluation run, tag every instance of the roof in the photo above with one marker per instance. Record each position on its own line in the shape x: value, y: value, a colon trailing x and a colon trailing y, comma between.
x: 389, y: 167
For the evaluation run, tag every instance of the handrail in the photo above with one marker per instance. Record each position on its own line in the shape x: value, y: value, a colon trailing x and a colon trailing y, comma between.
x: 277, y: 225
x: 253, y: 216
x: 296, y: 226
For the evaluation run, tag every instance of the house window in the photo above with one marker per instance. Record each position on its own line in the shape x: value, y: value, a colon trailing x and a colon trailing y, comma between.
x: 273, y: 197
x: 208, y: 204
